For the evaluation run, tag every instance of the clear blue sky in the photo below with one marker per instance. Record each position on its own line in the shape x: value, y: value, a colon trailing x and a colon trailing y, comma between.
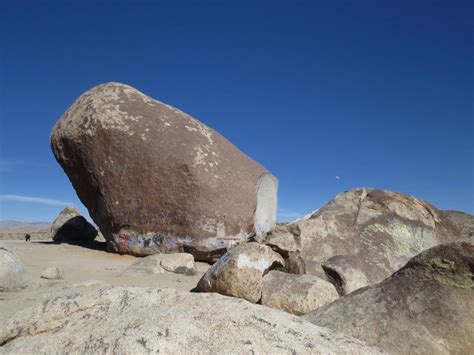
x: 377, y: 93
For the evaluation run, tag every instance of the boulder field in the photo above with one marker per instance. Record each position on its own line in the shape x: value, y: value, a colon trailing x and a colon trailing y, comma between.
x: 154, y: 179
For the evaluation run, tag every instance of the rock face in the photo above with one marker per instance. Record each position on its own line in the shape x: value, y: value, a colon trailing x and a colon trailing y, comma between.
x: 425, y: 308
x: 154, y: 179
x: 362, y: 236
x: 179, y: 263
x: 297, y: 294
x: 240, y: 271
x: 70, y: 226
x: 464, y: 222
x: 131, y: 320
x: 12, y: 274
x: 52, y: 273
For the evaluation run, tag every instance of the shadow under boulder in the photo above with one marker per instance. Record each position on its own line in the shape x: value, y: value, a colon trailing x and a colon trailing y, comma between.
x: 71, y: 227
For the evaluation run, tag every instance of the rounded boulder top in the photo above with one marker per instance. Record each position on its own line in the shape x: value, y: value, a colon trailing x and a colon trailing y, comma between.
x: 154, y: 179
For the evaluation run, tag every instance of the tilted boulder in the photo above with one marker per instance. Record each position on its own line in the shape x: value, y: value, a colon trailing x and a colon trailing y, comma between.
x: 52, y: 273
x: 154, y: 179
x: 427, y: 307
x: 297, y: 294
x: 133, y: 320
x: 12, y: 273
x: 71, y: 226
x: 240, y: 271
x: 362, y: 236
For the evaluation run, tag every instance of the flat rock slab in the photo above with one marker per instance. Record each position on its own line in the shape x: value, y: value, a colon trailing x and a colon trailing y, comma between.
x: 427, y: 307
x: 52, y: 273
x: 297, y: 294
x: 179, y: 263
x: 132, y: 320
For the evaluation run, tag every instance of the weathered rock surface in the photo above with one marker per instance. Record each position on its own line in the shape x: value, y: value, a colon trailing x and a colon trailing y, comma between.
x: 179, y: 263
x: 71, y: 226
x: 362, y: 236
x: 464, y: 222
x: 297, y: 294
x: 154, y: 179
x: 427, y: 307
x: 52, y: 273
x: 240, y: 271
x: 12, y: 274
x: 131, y: 320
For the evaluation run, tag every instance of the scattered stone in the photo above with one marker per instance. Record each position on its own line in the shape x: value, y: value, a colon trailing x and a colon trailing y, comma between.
x: 12, y: 274
x: 52, y: 273
x: 133, y: 320
x: 297, y: 294
x: 70, y: 226
x: 240, y: 271
x: 362, y: 236
x: 179, y: 263
x: 154, y: 179
x: 427, y: 307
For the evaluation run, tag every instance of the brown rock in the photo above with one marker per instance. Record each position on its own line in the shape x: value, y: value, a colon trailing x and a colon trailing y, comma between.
x: 363, y: 235
x: 240, y: 271
x: 154, y: 179
x: 297, y: 294
x: 427, y: 307
x: 70, y: 226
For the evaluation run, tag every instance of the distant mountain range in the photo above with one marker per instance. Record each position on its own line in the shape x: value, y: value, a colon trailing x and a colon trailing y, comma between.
x: 22, y: 225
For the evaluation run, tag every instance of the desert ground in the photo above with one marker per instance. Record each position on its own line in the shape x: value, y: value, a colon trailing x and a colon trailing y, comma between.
x: 80, y: 265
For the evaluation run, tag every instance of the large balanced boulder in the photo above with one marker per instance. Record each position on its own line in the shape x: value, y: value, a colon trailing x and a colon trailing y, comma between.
x: 71, y: 226
x: 297, y: 294
x: 362, y: 236
x: 239, y: 273
x: 12, y: 273
x: 154, y: 179
x: 425, y: 308
x: 132, y: 320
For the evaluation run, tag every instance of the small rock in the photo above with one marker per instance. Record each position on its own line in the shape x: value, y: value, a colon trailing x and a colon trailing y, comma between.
x: 52, y: 273
x: 297, y: 294
x: 240, y: 271
x: 179, y: 263
x: 12, y: 273
x: 147, y: 265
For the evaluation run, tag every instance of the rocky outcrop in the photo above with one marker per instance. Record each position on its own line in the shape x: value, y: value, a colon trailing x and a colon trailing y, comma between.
x: 297, y: 294
x: 240, y: 271
x: 154, y: 179
x: 71, y: 227
x: 362, y: 236
x: 463, y: 221
x: 425, y: 308
x: 132, y: 320
x: 12, y: 274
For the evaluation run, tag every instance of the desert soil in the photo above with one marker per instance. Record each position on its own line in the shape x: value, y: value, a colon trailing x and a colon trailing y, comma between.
x: 80, y: 265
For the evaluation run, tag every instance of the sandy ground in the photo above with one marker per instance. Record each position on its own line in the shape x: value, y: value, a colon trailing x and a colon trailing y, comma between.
x: 80, y: 265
